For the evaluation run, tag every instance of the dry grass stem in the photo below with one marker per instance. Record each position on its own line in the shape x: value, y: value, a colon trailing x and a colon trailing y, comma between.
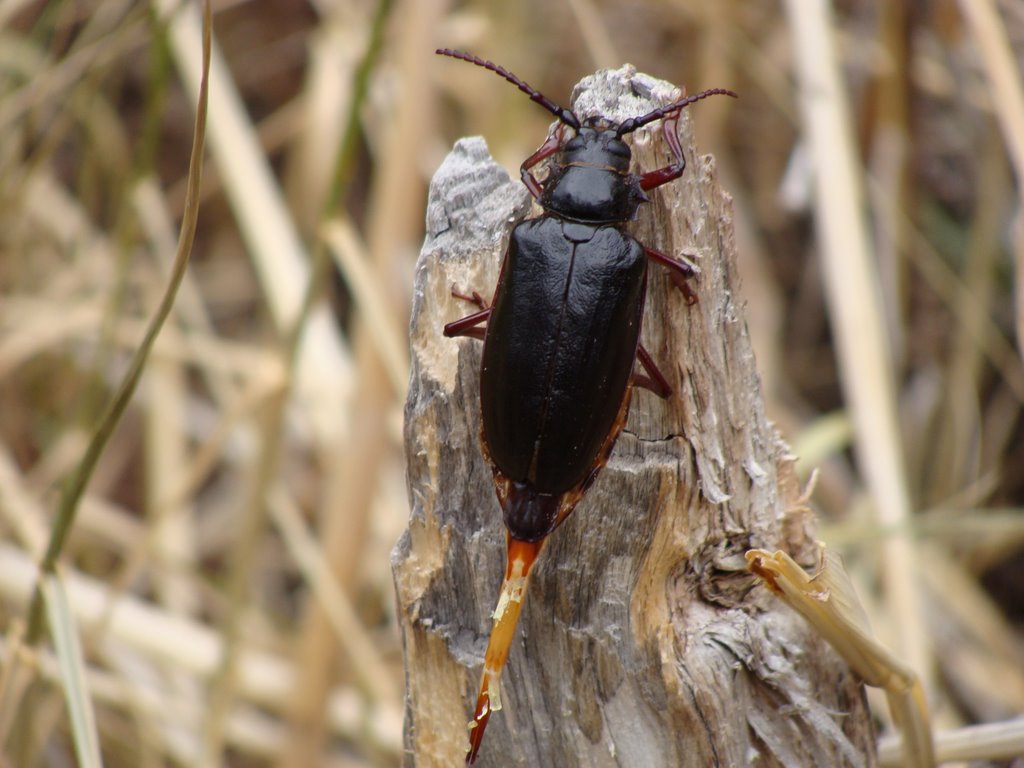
x: 855, y: 307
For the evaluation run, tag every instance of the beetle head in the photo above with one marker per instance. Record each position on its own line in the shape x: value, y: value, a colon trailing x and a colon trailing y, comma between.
x: 597, y: 142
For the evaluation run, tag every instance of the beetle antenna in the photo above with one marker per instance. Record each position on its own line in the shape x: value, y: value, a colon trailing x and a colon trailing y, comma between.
x: 630, y: 125
x: 561, y: 113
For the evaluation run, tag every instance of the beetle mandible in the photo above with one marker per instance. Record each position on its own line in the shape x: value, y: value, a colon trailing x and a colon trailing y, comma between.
x: 562, y: 338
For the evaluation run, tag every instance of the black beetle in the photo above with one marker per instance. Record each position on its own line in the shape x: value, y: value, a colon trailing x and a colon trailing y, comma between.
x: 562, y: 338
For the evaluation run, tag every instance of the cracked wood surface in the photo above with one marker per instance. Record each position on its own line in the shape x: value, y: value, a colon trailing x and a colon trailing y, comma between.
x: 644, y: 641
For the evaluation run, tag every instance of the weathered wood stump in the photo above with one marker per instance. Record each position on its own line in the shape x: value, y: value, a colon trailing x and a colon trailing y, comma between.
x: 644, y: 641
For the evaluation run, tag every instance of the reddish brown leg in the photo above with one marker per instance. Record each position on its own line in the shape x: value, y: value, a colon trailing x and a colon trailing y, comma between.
x: 548, y: 148
x: 660, y: 176
x: 655, y: 380
x: 469, y: 325
x: 520, y: 558
x: 680, y: 272
x: 473, y: 298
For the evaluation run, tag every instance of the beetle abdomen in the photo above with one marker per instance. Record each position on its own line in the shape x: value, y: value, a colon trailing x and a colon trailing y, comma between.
x: 559, y: 350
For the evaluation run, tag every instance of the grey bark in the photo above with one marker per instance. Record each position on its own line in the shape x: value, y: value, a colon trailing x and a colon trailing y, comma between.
x: 644, y: 641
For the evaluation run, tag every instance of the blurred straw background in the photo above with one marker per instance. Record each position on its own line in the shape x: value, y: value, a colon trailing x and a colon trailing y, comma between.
x: 228, y: 572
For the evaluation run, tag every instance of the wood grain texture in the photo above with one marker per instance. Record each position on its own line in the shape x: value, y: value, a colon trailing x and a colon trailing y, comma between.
x: 644, y: 641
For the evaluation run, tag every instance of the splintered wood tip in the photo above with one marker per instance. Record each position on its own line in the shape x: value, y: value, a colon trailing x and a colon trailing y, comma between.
x: 477, y: 726
x: 521, y: 557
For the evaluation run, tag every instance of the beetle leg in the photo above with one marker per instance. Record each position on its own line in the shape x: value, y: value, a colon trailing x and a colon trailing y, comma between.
x: 681, y: 271
x: 551, y: 145
x: 520, y: 557
x: 473, y: 298
x: 660, y: 176
x: 655, y: 380
x: 467, y: 326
